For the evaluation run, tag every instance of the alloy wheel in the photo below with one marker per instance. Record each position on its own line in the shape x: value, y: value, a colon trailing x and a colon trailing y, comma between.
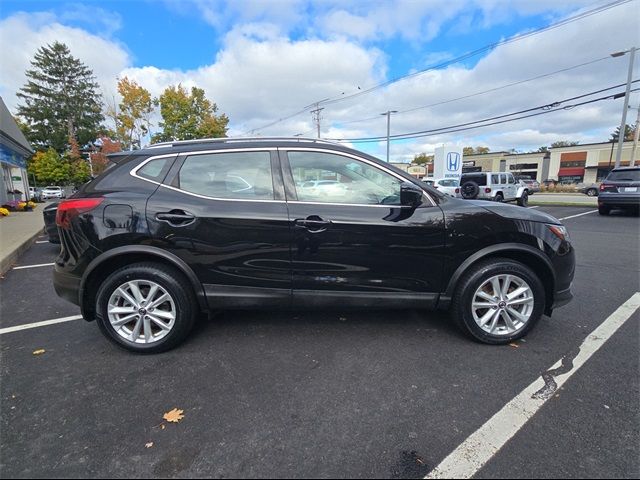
x: 141, y: 311
x: 503, y: 305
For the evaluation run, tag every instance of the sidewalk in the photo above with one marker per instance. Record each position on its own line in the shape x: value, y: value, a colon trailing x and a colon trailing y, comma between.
x: 17, y: 232
x: 563, y: 199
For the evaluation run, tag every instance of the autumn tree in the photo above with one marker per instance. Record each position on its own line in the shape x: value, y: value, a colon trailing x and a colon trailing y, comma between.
x: 188, y: 116
x: 422, y: 159
x: 564, y: 143
x: 132, y: 116
x: 59, y: 100
x: 475, y: 151
x: 49, y: 168
x: 103, y: 147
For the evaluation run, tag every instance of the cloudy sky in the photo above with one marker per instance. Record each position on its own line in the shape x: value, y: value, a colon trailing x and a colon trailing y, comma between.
x: 264, y: 61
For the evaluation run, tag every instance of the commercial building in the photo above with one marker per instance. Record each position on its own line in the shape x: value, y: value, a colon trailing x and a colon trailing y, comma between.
x: 14, y: 152
x: 586, y: 163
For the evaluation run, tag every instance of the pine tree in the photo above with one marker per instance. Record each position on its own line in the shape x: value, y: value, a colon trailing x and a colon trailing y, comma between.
x: 59, y: 100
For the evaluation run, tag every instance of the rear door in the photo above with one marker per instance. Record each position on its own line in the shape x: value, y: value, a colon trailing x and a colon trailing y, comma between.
x: 224, y: 213
x: 352, y: 241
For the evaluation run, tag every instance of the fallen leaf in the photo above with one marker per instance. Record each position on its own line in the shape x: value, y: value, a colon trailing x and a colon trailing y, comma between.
x: 148, y: 445
x: 162, y: 427
x: 174, y: 416
x: 39, y: 352
x: 514, y: 345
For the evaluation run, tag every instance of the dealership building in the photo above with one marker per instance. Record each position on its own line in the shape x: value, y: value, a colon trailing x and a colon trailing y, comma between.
x: 14, y: 152
x: 587, y: 163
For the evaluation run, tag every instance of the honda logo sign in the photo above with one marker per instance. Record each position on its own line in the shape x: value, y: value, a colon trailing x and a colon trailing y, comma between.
x: 447, y: 162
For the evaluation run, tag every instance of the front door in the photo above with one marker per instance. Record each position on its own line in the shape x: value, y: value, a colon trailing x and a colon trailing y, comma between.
x: 352, y: 241
x: 225, y: 215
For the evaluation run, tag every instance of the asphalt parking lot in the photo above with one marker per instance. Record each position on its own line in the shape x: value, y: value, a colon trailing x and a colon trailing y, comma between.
x: 328, y: 394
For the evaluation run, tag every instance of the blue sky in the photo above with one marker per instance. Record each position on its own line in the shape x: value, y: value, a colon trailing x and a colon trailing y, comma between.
x: 260, y: 61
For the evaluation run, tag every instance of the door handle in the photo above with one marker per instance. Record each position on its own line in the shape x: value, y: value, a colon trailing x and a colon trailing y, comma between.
x: 176, y: 218
x: 314, y: 223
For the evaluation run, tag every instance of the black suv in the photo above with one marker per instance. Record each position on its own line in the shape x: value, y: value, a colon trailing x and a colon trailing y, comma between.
x: 178, y: 229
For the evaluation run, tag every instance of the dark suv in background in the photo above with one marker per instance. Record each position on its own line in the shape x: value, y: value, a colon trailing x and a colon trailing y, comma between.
x: 183, y: 228
x: 621, y: 189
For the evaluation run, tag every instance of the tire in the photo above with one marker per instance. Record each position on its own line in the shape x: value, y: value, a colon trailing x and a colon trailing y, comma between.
x: 181, y: 304
x: 499, y: 197
x: 462, y: 310
x: 602, y: 210
x: 523, y: 201
x: 469, y: 190
x: 592, y: 192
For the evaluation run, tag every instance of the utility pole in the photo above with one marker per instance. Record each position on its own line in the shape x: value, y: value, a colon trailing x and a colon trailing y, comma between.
x: 316, y: 116
x: 388, y: 114
x: 635, y: 139
x: 623, y: 124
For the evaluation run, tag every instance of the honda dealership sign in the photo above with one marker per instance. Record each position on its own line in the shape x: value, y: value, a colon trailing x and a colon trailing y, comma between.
x: 447, y: 162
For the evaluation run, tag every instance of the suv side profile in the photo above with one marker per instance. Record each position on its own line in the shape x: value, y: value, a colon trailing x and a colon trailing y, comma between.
x: 496, y: 186
x: 180, y: 229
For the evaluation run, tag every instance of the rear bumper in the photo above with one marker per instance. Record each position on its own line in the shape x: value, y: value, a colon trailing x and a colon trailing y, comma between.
x: 619, y: 199
x: 561, y: 298
x: 66, y: 286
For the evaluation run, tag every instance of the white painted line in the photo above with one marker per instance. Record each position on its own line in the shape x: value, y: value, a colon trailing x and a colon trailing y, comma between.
x: 43, y: 241
x: 537, y: 206
x: 578, y: 215
x: 34, y: 266
x: 27, y: 326
x: 470, y: 456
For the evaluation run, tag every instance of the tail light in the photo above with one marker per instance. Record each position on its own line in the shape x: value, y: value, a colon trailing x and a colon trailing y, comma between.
x: 487, y: 190
x: 457, y: 190
x: 69, y: 209
x: 607, y: 188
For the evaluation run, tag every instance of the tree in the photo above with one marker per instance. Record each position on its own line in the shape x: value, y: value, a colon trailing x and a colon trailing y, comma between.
x: 564, y: 143
x: 59, y: 100
x: 476, y: 151
x: 49, y: 168
x: 188, y: 116
x: 542, y: 150
x: 78, y: 168
x: 482, y: 150
x: 104, y: 145
x: 422, y: 159
x: 629, y: 131
x: 132, y: 118
x: 467, y: 151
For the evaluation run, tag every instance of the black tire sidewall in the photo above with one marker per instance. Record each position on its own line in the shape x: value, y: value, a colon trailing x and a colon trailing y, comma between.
x: 172, y: 281
x: 499, y: 198
x: 463, y: 298
x: 523, y: 201
x: 604, y: 210
x: 475, y: 190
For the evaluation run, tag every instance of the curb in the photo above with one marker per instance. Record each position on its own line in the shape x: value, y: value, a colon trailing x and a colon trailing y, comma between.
x: 7, y: 262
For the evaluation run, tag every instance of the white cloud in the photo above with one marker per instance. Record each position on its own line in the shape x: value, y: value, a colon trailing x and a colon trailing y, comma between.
x: 107, y: 58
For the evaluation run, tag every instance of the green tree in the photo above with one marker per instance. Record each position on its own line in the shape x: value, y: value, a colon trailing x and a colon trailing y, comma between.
x: 542, y: 150
x: 59, y: 100
x: 629, y: 131
x: 564, y: 143
x: 132, y: 118
x: 482, y: 150
x: 422, y: 159
x: 188, y: 116
x: 467, y: 151
x: 49, y: 168
x: 78, y: 168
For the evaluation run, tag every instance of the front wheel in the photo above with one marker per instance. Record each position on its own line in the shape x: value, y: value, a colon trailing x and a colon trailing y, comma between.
x: 523, y: 201
x: 498, y: 301
x: 146, y: 307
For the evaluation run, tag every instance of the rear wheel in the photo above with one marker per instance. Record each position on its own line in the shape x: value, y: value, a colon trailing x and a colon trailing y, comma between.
x: 498, y: 301
x: 592, y: 192
x: 499, y: 197
x: 603, y: 210
x: 146, y: 307
x: 523, y: 201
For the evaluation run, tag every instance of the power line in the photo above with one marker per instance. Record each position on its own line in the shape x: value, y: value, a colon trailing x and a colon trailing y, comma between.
x: 519, y: 82
x: 553, y: 107
x: 465, y: 56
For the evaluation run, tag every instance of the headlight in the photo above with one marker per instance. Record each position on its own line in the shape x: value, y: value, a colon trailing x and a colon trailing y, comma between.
x: 559, y: 231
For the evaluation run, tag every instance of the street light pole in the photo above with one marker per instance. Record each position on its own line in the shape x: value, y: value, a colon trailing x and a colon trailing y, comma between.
x: 388, y: 114
x: 623, y: 124
x: 635, y: 140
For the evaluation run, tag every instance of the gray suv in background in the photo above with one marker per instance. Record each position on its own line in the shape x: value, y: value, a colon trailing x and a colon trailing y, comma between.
x: 621, y: 189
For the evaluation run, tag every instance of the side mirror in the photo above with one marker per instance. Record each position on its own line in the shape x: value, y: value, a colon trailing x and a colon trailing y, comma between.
x: 410, y: 195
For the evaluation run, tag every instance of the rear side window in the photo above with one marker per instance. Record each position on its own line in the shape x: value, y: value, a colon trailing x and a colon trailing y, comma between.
x: 156, y: 169
x: 495, y: 179
x: 235, y: 175
x: 480, y: 179
x: 624, y: 176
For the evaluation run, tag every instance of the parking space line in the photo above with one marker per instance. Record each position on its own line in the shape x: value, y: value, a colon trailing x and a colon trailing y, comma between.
x: 470, y: 456
x: 537, y: 206
x: 28, y: 326
x: 578, y: 215
x: 33, y: 266
x: 43, y: 241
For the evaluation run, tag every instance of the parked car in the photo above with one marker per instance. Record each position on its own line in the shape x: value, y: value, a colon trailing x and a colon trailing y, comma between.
x: 49, y: 214
x: 448, y: 186
x: 52, y: 192
x: 621, y: 189
x: 496, y: 186
x: 590, y: 189
x: 530, y: 186
x: 35, y: 193
x: 162, y: 237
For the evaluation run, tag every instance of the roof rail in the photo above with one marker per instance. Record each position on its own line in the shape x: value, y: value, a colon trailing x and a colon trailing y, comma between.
x: 237, y: 140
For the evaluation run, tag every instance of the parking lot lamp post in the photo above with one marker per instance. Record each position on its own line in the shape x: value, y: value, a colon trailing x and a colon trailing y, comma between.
x: 623, y: 124
x: 388, y: 114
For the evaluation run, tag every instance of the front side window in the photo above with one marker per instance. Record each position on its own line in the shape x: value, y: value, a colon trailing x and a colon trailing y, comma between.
x: 511, y: 179
x: 234, y: 175
x: 329, y: 178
